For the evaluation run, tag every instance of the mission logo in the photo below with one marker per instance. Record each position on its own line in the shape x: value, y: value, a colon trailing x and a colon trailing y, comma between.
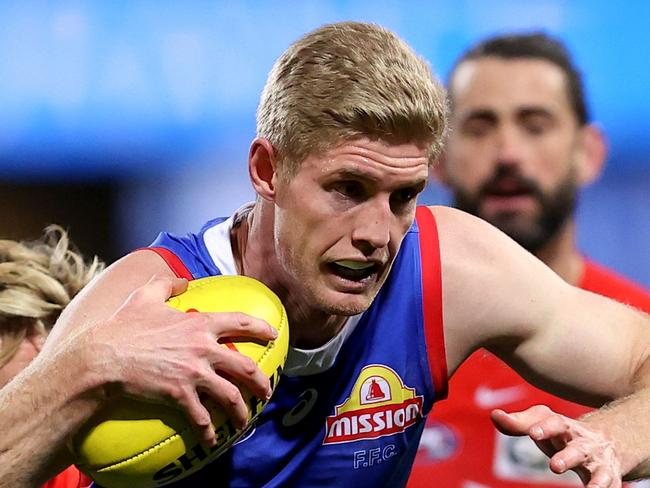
x: 379, y: 404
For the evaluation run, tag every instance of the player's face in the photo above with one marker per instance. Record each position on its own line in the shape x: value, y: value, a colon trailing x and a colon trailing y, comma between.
x: 27, y: 351
x: 512, y: 149
x: 341, y: 219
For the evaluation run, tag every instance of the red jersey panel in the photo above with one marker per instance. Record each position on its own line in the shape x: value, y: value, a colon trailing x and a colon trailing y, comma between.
x: 70, y: 478
x: 460, y: 448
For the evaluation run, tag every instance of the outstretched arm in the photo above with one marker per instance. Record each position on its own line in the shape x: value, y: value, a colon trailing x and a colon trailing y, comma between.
x: 568, y: 341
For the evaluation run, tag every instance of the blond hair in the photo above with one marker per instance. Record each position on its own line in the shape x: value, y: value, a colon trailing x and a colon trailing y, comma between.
x: 37, y: 280
x: 349, y: 80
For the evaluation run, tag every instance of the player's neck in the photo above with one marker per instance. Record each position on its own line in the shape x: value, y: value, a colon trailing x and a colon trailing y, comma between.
x: 310, y: 328
x: 254, y: 253
x: 561, y: 254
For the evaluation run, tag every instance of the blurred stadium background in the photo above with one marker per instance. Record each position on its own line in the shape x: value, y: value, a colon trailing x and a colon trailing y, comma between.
x: 119, y: 119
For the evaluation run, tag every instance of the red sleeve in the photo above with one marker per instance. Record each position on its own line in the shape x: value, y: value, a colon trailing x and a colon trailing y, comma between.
x: 432, y: 299
x: 173, y: 261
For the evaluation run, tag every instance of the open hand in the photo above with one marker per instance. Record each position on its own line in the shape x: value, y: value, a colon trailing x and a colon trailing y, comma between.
x: 571, y: 444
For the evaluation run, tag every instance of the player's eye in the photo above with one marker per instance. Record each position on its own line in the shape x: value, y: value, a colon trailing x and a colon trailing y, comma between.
x: 537, y: 124
x: 401, y: 199
x: 350, y: 189
x: 535, y: 128
x: 477, y: 126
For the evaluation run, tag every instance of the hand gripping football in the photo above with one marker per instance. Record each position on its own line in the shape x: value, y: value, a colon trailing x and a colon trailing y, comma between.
x: 139, y: 444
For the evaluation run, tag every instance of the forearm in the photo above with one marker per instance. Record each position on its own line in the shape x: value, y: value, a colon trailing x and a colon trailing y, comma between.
x: 625, y: 423
x: 39, y: 409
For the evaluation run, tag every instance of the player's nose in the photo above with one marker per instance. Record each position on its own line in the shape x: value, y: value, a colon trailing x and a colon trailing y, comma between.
x: 372, y: 226
x: 510, y: 146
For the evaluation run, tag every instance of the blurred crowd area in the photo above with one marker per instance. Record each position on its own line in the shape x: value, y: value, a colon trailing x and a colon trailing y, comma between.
x: 122, y: 119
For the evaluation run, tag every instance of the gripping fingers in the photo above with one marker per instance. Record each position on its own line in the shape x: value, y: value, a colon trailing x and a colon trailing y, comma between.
x: 243, y: 370
x: 236, y: 324
x: 198, y: 415
x: 228, y: 396
x: 160, y: 287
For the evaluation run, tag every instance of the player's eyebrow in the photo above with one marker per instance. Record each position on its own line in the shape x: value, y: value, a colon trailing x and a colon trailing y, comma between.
x: 534, y: 110
x: 480, y: 114
x: 354, y: 173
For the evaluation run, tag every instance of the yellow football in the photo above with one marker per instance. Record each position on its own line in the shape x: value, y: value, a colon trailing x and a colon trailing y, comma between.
x: 140, y: 444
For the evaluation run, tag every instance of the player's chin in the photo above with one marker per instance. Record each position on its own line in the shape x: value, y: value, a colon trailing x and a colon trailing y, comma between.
x: 345, y: 308
x: 337, y: 302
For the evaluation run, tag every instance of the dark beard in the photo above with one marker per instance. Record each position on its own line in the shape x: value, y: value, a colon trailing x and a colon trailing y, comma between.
x: 555, y: 208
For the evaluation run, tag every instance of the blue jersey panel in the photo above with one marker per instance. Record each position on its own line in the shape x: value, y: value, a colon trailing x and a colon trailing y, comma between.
x: 357, y: 424
x: 191, y: 250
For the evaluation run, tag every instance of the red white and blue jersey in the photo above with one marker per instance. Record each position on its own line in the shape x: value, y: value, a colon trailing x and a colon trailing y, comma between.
x: 348, y: 418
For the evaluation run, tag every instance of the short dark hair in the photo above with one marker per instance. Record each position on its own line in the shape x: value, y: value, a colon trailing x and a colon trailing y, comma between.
x: 537, y: 45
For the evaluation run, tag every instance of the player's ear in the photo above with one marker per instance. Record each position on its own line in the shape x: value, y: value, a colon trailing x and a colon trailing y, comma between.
x: 593, y: 155
x: 263, y: 168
